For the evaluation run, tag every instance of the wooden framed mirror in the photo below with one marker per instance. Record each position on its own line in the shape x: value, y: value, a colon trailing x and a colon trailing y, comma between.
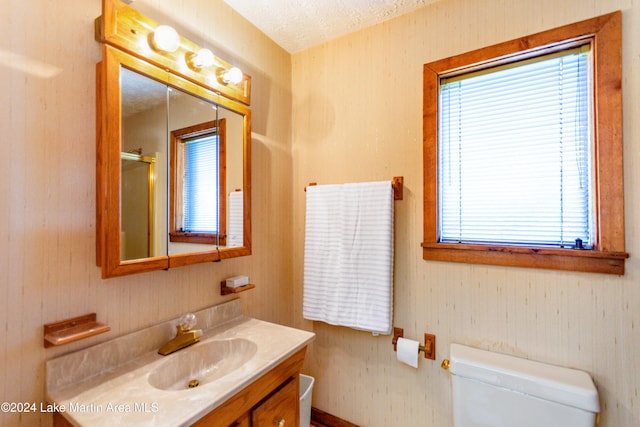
x: 173, y: 162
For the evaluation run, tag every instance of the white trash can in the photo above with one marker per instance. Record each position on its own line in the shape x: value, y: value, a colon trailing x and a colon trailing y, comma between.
x: 306, y: 389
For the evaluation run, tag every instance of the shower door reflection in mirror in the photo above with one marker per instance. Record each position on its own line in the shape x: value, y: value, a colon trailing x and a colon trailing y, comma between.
x: 143, y: 167
x: 138, y: 237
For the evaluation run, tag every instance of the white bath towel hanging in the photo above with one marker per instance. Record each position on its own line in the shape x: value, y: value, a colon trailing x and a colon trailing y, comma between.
x: 348, y: 256
x: 236, y: 219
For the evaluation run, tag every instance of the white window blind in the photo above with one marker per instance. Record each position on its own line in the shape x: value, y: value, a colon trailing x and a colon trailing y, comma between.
x: 514, y: 153
x: 200, y: 196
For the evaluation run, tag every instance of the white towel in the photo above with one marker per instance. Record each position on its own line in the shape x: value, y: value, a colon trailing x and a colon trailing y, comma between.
x: 348, y: 255
x: 236, y: 219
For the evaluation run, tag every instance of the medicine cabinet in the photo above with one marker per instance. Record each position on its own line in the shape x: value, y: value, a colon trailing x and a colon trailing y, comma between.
x: 173, y: 151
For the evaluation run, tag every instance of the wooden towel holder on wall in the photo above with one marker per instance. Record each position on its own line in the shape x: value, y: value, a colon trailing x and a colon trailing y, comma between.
x: 397, y: 182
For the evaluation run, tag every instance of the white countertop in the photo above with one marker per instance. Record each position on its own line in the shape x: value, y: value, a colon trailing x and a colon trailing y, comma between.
x: 122, y: 395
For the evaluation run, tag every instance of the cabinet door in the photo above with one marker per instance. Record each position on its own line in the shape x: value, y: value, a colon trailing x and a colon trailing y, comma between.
x: 279, y: 410
x: 242, y: 422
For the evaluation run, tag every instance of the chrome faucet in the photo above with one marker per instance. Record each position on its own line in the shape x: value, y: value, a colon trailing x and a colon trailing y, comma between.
x: 185, y: 335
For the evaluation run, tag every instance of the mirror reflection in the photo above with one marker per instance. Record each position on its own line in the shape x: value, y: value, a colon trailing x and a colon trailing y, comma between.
x: 197, y: 164
x: 182, y: 171
x: 138, y: 200
x: 144, y: 124
x: 234, y: 176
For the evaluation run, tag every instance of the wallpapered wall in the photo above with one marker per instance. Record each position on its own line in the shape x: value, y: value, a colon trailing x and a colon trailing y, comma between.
x: 358, y: 117
x: 47, y: 184
x: 349, y: 110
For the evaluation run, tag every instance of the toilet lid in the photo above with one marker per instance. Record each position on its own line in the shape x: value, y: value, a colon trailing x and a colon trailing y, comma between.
x: 554, y: 383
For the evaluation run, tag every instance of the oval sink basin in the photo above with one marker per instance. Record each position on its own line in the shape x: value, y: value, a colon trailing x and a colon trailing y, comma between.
x: 202, y: 364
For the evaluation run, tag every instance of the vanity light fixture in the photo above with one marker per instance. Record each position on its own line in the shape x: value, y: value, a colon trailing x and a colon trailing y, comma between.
x: 202, y: 58
x: 233, y: 75
x: 123, y: 27
x: 166, y: 39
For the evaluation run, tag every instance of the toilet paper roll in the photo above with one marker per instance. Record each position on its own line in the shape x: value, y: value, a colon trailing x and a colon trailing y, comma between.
x: 408, y: 351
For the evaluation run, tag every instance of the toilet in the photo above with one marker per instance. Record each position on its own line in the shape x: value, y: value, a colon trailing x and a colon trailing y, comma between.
x: 497, y: 390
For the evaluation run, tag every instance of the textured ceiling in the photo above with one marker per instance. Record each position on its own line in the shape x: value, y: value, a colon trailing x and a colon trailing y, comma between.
x: 299, y: 24
x: 140, y: 93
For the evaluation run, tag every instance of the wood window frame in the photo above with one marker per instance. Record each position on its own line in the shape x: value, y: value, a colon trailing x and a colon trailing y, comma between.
x: 608, y: 254
x: 177, y: 166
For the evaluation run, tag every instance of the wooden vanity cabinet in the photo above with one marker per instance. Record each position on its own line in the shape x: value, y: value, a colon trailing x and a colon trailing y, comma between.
x: 270, y: 401
x: 278, y: 410
x: 245, y: 421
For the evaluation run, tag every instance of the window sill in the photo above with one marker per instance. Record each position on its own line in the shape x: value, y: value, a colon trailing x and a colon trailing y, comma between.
x: 201, y: 238
x: 589, y: 261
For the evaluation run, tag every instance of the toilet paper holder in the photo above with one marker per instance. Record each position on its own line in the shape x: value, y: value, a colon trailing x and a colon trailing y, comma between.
x: 429, y: 347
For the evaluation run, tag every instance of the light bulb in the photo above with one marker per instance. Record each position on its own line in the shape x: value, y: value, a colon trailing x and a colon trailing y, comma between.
x: 166, y: 39
x: 204, y: 58
x: 233, y: 75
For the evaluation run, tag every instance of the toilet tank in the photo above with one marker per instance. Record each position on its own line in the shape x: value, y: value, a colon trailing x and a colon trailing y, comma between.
x: 497, y: 390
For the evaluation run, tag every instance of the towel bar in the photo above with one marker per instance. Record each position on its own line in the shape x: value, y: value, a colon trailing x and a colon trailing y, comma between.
x: 397, y: 183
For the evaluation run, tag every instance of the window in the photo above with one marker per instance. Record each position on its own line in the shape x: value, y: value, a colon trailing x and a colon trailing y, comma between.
x: 200, y: 181
x: 523, y: 152
x: 198, y: 193
x: 513, y: 153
